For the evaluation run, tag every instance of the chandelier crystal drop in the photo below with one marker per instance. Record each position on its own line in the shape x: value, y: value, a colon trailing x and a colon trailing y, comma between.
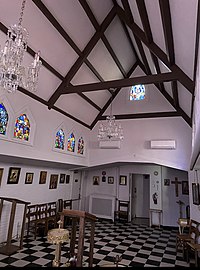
x: 110, y: 130
x: 12, y: 71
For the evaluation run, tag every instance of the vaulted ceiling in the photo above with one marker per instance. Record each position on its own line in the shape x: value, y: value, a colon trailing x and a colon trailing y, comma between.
x: 90, y: 48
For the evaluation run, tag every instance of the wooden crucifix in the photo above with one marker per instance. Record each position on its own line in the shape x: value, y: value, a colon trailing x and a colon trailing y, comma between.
x: 176, y: 182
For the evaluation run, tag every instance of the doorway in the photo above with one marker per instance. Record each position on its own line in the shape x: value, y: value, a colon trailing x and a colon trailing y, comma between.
x: 139, y: 196
x: 76, y: 190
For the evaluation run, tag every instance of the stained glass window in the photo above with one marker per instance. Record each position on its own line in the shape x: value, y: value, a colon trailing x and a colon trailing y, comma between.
x: 22, y: 128
x: 80, y: 146
x: 60, y: 139
x: 3, y: 119
x: 71, y: 143
x: 137, y: 92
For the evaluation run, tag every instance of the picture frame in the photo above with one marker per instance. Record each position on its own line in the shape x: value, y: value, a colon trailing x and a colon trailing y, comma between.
x: 96, y: 180
x: 13, y: 175
x: 53, y: 181
x: 1, y: 174
x: 43, y: 177
x: 110, y: 180
x: 62, y: 178
x: 166, y: 182
x: 103, y: 178
x: 195, y: 193
x: 123, y: 180
x: 67, y: 179
x: 185, y: 188
x: 29, y: 178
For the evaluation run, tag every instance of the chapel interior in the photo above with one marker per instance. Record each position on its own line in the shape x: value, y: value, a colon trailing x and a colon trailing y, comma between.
x: 99, y: 133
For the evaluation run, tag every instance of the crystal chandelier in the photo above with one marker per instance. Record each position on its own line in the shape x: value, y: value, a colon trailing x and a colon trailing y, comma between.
x: 12, y: 72
x: 110, y: 130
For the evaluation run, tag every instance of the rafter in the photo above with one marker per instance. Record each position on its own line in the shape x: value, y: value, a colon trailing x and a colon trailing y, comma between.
x: 149, y: 79
x: 81, y: 59
x: 183, y: 78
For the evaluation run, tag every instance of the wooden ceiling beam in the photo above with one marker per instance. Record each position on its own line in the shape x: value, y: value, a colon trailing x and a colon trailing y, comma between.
x: 147, y: 79
x: 183, y: 78
x: 93, y: 41
x: 169, y: 42
x: 196, y: 57
x: 144, y: 115
x: 94, y: 22
x: 138, y: 41
x: 116, y: 92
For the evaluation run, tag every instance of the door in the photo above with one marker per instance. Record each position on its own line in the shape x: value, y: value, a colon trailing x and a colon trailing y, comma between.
x: 76, y: 190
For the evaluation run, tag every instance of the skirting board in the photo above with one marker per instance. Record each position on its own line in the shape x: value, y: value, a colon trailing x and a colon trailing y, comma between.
x: 163, y: 144
x: 109, y: 144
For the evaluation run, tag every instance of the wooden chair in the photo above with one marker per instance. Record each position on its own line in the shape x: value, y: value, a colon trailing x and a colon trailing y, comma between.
x: 183, y: 238
x: 51, y: 215
x: 195, y: 248
x: 37, y: 219
x: 122, y: 213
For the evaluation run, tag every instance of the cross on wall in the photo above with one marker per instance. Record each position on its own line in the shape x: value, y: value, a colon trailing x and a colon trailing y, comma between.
x: 176, y: 182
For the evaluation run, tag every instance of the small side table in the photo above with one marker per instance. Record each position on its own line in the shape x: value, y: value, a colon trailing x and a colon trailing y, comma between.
x: 155, y: 211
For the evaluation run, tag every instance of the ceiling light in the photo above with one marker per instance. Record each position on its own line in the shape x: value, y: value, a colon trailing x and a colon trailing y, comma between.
x: 12, y: 72
x: 110, y: 130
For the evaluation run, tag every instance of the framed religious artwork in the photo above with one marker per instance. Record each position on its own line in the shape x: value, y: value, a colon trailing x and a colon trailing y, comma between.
x: 43, y: 177
x: 96, y: 180
x: 195, y: 193
x: 62, y: 178
x: 13, y: 175
x: 123, y: 180
x: 110, y: 180
x: 67, y: 178
x: 53, y: 181
x: 185, y: 188
x: 1, y: 174
x: 29, y: 178
x: 166, y: 182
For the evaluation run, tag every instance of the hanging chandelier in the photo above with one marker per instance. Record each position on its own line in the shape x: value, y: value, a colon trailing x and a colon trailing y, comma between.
x: 12, y: 71
x: 110, y: 130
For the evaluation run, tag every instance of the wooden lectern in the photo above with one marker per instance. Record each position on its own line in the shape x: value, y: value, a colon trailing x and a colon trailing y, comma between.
x: 82, y: 217
x: 9, y: 248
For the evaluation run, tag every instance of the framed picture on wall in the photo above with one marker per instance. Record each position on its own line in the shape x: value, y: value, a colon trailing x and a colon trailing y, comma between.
x: 67, y: 178
x: 185, y: 188
x: 13, y: 175
x: 1, y: 174
x: 95, y: 180
x: 123, y: 180
x: 110, y: 180
x: 195, y: 193
x: 53, y: 181
x: 62, y: 178
x: 166, y: 182
x: 43, y: 177
x: 29, y: 178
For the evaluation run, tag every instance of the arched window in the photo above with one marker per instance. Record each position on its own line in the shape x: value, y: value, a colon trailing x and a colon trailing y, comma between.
x: 137, y: 92
x: 60, y: 139
x: 3, y: 119
x: 80, y: 146
x: 71, y: 143
x: 22, y: 128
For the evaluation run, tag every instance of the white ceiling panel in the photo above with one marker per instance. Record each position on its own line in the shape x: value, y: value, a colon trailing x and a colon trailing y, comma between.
x: 84, y: 75
x: 100, y: 8
x: 99, y: 97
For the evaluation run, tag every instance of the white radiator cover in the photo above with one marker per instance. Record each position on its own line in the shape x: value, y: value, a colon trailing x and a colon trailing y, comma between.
x: 102, y: 206
x: 163, y: 144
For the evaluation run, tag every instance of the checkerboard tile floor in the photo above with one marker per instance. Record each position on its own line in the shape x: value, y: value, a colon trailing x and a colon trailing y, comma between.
x: 139, y: 245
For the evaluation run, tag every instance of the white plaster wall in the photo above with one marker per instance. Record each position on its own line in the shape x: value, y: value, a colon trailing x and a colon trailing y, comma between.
x: 33, y: 193
x: 135, y: 146
x: 47, y: 123
x: 167, y: 198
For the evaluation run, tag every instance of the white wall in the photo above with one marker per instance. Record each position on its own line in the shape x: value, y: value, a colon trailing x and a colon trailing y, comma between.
x: 47, y: 123
x: 33, y: 193
x: 167, y: 198
x: 135, y: 146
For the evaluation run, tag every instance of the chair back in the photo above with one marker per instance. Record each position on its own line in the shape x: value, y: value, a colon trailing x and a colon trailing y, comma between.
x: 123, y: 206
x: 194, y: 230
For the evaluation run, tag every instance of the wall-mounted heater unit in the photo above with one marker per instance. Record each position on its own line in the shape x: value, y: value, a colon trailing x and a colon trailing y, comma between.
x: 163, y: 144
